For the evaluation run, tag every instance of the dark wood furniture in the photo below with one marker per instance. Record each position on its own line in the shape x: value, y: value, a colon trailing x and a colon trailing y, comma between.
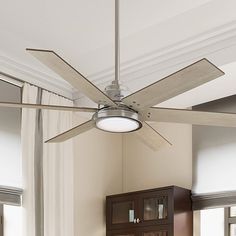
x: 156, y: 212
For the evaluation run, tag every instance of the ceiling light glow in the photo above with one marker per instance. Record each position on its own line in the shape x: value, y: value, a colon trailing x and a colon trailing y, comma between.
x: 117, y: 124
x: 118, y: 120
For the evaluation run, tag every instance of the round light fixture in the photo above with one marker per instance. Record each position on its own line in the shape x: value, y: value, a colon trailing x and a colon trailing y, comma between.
x: 118, y: 120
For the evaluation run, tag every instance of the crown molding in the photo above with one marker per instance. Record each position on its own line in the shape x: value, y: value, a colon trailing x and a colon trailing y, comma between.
x: 35, y: 77
x: 151, y: 65
x: 203, y: 45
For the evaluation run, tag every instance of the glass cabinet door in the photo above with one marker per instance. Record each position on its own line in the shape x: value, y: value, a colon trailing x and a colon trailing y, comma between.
x: 121, y: 212
x: 155, y: 208
x: 161, y: 230
x: 156, y: 233
x: 124, y: 232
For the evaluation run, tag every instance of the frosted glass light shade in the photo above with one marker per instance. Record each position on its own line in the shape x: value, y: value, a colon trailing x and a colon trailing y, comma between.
x: 117, y: 124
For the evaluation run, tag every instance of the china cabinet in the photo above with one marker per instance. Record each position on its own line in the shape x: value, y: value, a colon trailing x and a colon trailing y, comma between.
x: 155, y: 212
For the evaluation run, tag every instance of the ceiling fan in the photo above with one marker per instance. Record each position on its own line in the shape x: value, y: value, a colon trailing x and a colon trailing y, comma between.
x: 117, y: 113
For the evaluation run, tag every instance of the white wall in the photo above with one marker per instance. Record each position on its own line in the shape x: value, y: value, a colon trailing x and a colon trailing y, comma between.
x: 98, y: 172
x: 214, y: 151
x: 171, y: 165
x: 10, y: 150
x: 111, y: 163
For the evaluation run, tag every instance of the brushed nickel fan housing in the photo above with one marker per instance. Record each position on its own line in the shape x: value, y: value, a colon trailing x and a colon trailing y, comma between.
x: 118, y: 119
x: 116, y: 91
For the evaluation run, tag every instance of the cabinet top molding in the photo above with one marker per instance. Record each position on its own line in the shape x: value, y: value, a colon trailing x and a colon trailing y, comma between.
x: 147, y: 190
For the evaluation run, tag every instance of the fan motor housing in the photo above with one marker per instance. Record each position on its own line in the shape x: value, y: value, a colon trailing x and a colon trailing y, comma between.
x: 116, y: 91
x: 123, y: 113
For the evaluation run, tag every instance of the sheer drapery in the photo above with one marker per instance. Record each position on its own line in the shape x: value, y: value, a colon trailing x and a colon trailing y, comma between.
x: 58, y: 170
x: 47, y: 168
x: 28, y: 125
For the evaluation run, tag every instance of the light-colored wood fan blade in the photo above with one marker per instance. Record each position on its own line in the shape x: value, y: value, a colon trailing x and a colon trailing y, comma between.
x: 72, y: 132
x: 179, y: 82
x: 190, y: 117
x: 151, y: 137
x: 71, y: 75
x: 47, y: 107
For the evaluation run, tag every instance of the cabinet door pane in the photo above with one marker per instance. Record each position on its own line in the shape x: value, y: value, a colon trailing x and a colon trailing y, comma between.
x: 124, y: 235
x: 156, y: 233
x: 121, y: 233
x: 122, y: 212
x: 155, y: 208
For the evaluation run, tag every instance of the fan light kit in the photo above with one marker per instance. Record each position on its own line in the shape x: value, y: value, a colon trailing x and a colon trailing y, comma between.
x: 119, y: 113
x: 118, y: 120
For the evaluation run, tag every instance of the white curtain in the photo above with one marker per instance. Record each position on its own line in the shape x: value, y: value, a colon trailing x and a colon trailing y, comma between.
x: 58, y: 170
x: 56, y: 190
x: 28, y: 151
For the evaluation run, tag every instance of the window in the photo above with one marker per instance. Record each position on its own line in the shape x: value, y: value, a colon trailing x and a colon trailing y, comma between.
x: 10, y: 162
x: 215, y: 221
x: 212, y: 217
x: 212, y: 222
x: 230, y: 221
x: 1, y: 220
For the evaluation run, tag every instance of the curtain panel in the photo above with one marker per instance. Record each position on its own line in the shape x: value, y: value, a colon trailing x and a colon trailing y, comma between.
x: 47, y: 168
x: 28, y: 126
x: 58, y: 169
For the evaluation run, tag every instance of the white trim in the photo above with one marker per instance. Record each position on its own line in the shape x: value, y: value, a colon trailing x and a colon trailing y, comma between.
x: 215, y: 40
x: 187, y: 51
x: 10, y: 80
x: 27, y: 74
x: 182, y: 53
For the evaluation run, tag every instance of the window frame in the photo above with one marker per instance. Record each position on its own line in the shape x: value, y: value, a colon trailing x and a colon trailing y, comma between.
x: 1, y: 219
x: 228, y: 221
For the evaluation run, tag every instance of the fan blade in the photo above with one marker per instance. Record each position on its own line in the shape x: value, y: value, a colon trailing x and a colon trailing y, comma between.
x: 191, y: 117
x: 151, y: 137
x: 47, y: 107
x: 179, y: 82
x: 71, y: 75
x: 72, y: 132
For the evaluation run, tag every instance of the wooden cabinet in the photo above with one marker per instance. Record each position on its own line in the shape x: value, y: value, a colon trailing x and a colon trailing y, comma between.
x: 154, y: 208
x: 142, y: 231
x: 119, y: 211
x: 155, y: 212
x: 161, y: 230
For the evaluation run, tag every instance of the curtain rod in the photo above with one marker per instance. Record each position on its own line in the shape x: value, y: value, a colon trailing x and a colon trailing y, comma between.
x: 19, y: 83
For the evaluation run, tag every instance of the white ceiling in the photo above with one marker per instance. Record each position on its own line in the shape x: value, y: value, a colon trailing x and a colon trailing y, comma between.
x: 82, y: 26
x: 158, y: 37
